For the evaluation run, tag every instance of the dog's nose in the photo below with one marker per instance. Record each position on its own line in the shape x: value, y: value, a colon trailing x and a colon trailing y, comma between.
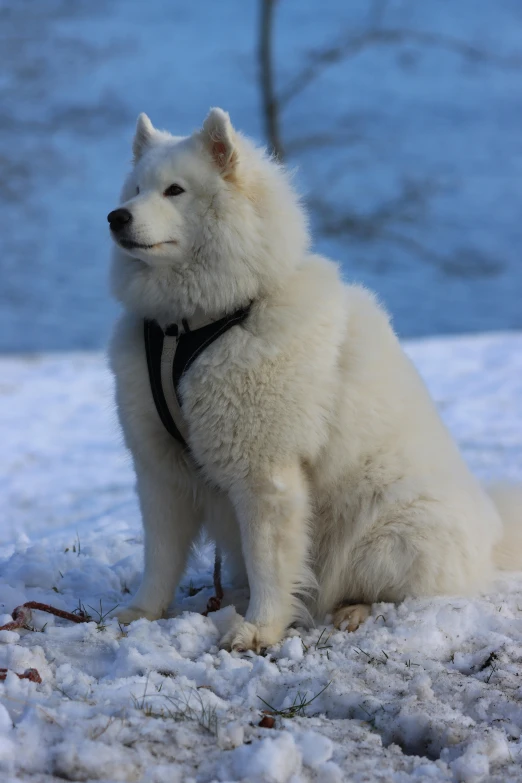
x: 119, y: 218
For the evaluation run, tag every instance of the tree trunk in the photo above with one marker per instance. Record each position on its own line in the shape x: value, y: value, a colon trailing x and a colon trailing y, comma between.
x: 270, y: 105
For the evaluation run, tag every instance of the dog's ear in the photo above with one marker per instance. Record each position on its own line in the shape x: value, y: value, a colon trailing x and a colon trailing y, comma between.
x: 219, y: 138
x: 143, y: 137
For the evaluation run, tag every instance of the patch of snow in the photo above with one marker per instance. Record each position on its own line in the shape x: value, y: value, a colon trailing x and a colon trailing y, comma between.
x: 427, y: 690
x: 292, y: 649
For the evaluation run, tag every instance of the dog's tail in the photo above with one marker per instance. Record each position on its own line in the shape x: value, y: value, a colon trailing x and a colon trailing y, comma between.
x: 508, y: 500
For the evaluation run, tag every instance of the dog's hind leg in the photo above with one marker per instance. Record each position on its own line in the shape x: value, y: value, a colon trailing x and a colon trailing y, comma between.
x: 273, y: 515
x: 413, y: 549
x: 171, y: 522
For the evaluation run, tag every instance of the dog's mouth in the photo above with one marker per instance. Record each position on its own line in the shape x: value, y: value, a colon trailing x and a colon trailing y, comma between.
x: 128, y: 244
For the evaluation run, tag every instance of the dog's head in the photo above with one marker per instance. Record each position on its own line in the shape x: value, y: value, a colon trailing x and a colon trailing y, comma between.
x: 205, y: 221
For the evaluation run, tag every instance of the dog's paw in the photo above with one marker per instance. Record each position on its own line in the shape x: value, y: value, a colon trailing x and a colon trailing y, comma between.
x: 350, y: 616
x: 245, y: 636
x: 127, y: 614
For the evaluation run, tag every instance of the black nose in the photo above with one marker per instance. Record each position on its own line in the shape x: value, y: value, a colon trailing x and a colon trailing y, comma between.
x: 119, y: 218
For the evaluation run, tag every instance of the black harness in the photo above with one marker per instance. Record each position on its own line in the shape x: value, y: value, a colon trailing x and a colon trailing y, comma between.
x: 190, y: 343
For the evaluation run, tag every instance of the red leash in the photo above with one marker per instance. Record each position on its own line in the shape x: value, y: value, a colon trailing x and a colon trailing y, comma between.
x: 22, y: 615
x: 29, y: 674
x: 214, y: 603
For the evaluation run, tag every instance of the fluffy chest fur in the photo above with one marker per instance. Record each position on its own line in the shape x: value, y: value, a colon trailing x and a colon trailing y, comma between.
x: 262, y: 392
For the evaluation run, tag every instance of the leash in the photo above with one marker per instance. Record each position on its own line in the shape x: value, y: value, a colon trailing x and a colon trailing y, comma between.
x: 21, y: 616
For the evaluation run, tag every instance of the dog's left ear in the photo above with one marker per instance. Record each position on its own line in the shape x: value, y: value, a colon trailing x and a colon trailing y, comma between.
x: 143, y: 138
x: 219, y: 138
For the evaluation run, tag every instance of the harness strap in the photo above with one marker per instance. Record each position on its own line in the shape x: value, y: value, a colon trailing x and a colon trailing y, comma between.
x: 192, y: 343
x: 154, y: 339
x: 172, y: 352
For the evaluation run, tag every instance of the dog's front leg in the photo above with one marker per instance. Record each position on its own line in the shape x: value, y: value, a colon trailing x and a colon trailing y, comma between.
x: 171, y: 523
x: 273, y: 513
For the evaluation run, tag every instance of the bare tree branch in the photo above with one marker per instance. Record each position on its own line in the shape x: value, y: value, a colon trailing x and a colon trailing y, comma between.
x: 323, y: 58
x: 380, y: 225
x: 316, y: 140
x: 407, y: 207
x: 370, y: 228
x: 268, y: 94
x: 415, y: 247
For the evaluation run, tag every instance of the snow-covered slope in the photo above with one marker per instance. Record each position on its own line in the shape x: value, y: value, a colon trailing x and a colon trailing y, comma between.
x: 428, y: 690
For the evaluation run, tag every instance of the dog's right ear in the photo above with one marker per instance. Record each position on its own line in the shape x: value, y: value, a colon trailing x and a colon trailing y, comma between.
x: 219, y: 138
x: 143, y: 137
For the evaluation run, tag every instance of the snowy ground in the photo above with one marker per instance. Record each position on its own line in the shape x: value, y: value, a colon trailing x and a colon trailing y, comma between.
x: 428, y: 690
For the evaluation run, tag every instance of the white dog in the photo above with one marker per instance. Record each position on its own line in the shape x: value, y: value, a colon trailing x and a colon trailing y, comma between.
x: 316, y: 458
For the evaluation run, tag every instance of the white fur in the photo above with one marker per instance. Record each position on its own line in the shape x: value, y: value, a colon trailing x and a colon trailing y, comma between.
x: 325, y: 469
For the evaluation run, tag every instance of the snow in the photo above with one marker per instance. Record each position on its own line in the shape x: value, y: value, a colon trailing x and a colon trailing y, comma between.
x: 429, y: 690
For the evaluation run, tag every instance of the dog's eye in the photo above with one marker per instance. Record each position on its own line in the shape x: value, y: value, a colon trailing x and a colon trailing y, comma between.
x: 137, y: 190
x: 173, y: 190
